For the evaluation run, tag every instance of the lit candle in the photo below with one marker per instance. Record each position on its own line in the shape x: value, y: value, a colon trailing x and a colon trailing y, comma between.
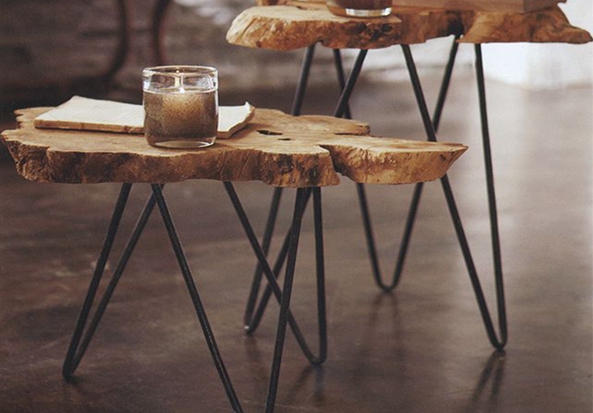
x: 181, y: 106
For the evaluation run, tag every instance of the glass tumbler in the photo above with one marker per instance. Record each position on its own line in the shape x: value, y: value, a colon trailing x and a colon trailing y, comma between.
x: 180, y: 106
x: 360, y: 8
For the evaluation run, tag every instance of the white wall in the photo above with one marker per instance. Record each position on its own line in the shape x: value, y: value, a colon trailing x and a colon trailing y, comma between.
x: 545, y: 66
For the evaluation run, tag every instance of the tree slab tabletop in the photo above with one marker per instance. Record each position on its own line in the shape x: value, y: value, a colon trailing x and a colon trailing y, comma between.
x: 275, y: 148
x: 295, y: 25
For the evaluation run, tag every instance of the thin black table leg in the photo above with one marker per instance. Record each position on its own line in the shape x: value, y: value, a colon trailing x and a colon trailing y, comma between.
x: 250, y: 323
x: 274, y: 288
x: 493, y: 211
x: 497, y: 342
x: 71, y: 360
x: 416, y: 197
x: 248, y: 317
x: 342, y: 106
x: 195, y: 297
x: 303, y: 81
x: 270, y: 288
x: 341, y: 78
x: 77, y: 348
x: 285, y: 302
x: 285, y: 317
x: 252, y: 316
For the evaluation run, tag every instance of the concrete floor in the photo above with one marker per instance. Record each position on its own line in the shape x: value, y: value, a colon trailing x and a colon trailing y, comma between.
x: 419, y: 349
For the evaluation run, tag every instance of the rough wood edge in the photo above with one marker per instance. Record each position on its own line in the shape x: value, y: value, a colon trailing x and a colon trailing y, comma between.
x: 330, y: 146
x: 288, y: 27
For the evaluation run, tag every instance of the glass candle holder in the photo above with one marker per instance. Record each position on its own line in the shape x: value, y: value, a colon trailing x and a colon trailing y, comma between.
x: 180, y: 106
x: 360, y: 8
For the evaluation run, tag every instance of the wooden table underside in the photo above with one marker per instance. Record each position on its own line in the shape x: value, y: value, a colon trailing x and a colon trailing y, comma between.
x: 294, y: 25
x: 275, y: 148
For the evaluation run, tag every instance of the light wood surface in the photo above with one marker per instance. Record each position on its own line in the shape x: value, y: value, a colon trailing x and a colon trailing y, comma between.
x: 513, y: 6
x: 296, y: 25
x: 517, y: 6
x: 275, y: 148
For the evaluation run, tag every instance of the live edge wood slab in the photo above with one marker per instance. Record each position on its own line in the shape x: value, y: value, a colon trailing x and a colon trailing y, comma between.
x: 275, y: 148
x: 292, y: 25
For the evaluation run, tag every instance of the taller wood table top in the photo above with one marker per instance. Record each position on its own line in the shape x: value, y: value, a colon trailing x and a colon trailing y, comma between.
x: 294, y: 24
x: 275, y: 148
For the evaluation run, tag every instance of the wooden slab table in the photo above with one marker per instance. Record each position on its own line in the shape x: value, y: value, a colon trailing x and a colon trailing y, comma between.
x: 284, y: 25
x: 306, y: 153
x: 293, y: 24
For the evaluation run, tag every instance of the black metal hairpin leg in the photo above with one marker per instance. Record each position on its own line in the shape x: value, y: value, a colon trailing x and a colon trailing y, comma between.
x: 252, y: 316
x: 342, y: 106
x: 271, y: 274
x: 415, y: 202
x: 195, y: 297
x: 270, y: 288
x: 249, y: 321
x: 341, y: 78
x: 286, y: 296
x: 496, y: 341
x: 77, y: 348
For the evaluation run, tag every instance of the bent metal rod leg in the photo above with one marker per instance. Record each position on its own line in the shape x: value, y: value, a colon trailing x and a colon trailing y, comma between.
x: 248, y: 319
x: 270, y: 288
x: 415, y: 202
x: 496, y: 341
x: 285, y: 315
x: 195, y: 297
x: 286, y: 296
x: 273, y: 286
x: 77, y: 349
x: 252, y: 321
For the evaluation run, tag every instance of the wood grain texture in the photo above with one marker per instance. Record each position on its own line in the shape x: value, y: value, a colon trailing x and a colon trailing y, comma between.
x: 297, y: 25
x: 294, y: 25
x: 515, y: 6
x: 545, y: 26
x: 275, y: 148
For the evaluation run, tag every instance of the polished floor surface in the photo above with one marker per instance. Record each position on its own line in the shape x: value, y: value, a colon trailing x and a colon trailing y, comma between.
x: 419, y: 349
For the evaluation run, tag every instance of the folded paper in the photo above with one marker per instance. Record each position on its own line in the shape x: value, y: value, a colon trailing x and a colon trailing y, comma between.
x: 81, y: 113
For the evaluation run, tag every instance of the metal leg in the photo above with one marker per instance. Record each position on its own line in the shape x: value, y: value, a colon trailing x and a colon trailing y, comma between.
x: 341, y: 78
x: 249, y: 321
x: 271, y: 275
x: 348, y: 88
x: 493, y: 212
x: 415, y: 202
x: 285, y: 302
x: 497, y: 342
x: 299, y: 96
x: 71, y: 360
x: 269, y: 290
x: 77, y: 348
x: 195, y: 297
x: 252, y: 319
